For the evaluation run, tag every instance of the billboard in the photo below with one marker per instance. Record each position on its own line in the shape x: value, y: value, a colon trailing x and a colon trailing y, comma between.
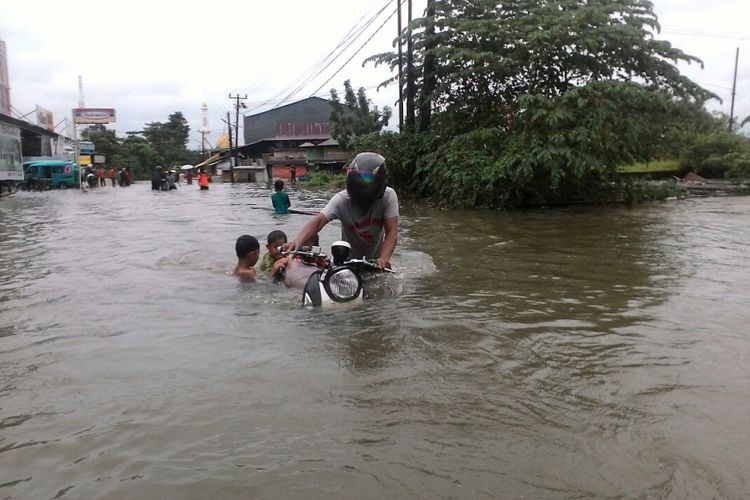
x: 11, y: 167
x: 44, y: 118
x: 93, y: 115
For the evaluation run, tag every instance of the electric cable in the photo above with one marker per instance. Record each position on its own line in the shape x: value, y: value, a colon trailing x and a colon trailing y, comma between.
x: 351, y: 36
x: 357, y: 52
x: 304, y: 84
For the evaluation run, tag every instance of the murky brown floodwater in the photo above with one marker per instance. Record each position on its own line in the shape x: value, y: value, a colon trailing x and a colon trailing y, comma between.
x: 592, y: 352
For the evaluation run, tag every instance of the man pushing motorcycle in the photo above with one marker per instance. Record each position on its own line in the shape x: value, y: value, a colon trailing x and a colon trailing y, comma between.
x: 367, y: 209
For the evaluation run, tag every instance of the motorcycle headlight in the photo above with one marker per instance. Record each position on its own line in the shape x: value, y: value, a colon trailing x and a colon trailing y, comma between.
x: 343, y: 284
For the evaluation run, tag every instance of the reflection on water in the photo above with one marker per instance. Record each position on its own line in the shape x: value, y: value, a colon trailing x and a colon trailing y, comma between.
x: 560, y: 353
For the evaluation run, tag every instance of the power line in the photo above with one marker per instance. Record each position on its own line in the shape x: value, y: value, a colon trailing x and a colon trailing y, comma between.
x: 357, y: 52
x: 276, y: 104
x: 713, y: 85
x: 351, y: 36
x: 705, y: 34
x: 359, y: 34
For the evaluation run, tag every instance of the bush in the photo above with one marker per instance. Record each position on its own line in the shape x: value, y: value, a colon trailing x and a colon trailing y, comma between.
x: 401, y: 152
x: 717, y: 155
x: 632, y: 192
x: 325, y: 180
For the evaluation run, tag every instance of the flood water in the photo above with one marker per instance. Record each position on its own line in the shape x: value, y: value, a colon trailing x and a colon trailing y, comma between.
x: 572, y: 353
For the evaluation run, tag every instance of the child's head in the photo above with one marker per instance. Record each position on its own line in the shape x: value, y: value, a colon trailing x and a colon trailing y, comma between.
x: 275, y: 240
x: 278, y: 185
x: 247, y: 247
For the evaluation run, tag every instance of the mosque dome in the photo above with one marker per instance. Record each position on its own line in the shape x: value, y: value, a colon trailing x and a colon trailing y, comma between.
x: 222, y: 142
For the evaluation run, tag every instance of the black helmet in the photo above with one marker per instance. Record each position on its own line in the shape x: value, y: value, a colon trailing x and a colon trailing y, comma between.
x: 365, y: 180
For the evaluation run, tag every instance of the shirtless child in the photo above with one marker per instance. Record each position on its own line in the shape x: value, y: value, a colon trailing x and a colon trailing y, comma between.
x: 248, y: 251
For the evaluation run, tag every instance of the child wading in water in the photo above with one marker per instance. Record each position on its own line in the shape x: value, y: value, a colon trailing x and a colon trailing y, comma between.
x: 273, y: 262
x: 248, y: 251
x: 280, y: 199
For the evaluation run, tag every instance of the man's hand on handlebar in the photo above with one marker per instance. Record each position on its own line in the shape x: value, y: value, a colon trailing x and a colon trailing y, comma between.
x: 383, y: 263
x: 289, y: 246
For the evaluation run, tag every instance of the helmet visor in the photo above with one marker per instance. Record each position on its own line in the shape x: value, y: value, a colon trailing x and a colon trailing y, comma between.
x: 364, y: 187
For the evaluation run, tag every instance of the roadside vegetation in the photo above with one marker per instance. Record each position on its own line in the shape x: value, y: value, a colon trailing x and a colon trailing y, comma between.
x: 522, y: 104
x: 325, y: 180
x: 538, y: 103
x: 157, y: 144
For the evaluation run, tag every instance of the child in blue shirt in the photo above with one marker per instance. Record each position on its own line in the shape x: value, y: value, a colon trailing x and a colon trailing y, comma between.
x: 280, y: 199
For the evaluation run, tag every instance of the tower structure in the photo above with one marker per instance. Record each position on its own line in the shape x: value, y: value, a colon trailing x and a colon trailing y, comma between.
x: 4, y: 81
x: 205, y: 131
x: 81, y: 100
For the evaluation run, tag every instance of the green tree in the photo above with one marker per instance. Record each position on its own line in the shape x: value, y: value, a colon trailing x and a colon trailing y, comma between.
x: 169, y: 139
x: 535, y: 101
x: 486, y: 55
x: 718, y: 154
x: 355, y: 116
x: 105, y: 141
x: 139, y: 155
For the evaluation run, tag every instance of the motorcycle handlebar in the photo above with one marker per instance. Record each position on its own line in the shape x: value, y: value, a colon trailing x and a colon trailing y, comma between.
x: 371, y: 263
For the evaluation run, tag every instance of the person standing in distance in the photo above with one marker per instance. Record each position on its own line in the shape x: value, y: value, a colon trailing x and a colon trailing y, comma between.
x: 279, y: 198
x: 203, y: 180
x: 367, y: 209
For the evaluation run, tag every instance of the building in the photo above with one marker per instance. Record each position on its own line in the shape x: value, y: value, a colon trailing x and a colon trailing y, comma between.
x: 21, y: 141
x: 295, y: 135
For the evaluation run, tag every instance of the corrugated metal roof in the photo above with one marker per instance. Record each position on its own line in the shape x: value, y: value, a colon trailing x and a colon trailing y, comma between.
x: 329, y: 142
x: 211, y: 160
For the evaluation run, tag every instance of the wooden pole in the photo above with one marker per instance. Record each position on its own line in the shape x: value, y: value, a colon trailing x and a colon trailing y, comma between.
x: 231, y: 155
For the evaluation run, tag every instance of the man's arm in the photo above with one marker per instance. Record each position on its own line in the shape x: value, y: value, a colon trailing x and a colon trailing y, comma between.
x: 389, y: 242
x: 312, y: 228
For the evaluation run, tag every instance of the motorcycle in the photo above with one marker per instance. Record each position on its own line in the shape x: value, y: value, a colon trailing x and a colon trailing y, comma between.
x: 336, y: 280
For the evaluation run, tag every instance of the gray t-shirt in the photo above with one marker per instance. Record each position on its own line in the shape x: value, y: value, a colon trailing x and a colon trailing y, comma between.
x: 363, y: 231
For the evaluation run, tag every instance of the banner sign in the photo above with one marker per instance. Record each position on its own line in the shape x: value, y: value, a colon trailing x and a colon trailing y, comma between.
x: 11, y: 167
x: 86, y: 148
x: 94, y: 115
x: 44, y: 118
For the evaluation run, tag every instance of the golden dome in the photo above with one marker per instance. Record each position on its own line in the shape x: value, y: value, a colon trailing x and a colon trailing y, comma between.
x: 222, y: 142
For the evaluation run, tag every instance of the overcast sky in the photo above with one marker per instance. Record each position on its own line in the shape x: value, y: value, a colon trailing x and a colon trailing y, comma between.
x: 148, y: 59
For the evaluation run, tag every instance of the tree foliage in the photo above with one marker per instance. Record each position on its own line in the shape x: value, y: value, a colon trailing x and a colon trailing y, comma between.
x: 355, y: 116
x: 538, y: 101
x: 169, y: 139
x: 487, y: 54
x: 157, y: 144
x: 718, y: 154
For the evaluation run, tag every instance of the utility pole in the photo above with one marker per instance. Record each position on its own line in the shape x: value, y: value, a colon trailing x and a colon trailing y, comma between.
x: 231, y: 155
x: 734, y: 89
x: 409, y: 72
x: 237, y: 99
x: 428, y: 70
x: 400, y: 71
